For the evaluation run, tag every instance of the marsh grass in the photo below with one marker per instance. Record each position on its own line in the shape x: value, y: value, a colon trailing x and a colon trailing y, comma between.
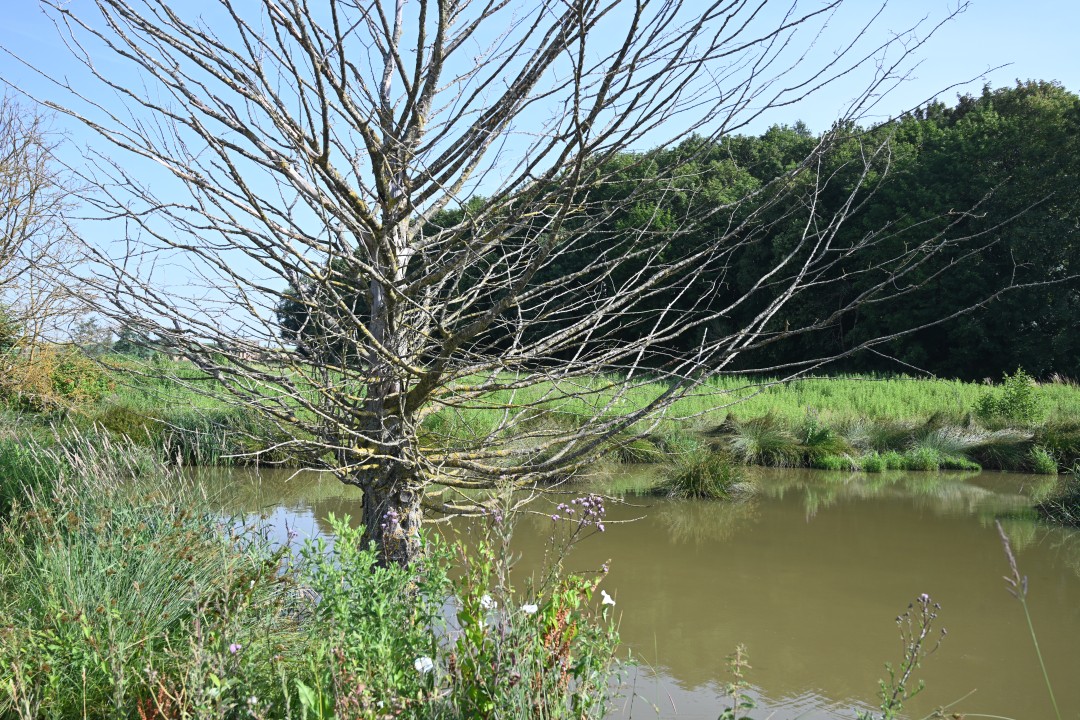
x: 765, y: 440
x: 117, y: 592
x: 705, y: 475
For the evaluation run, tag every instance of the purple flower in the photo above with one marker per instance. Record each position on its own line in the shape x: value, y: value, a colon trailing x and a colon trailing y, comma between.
x: 235, y: 648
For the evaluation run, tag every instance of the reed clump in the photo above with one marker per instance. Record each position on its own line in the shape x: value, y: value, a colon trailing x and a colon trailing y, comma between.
x: 705, y: 475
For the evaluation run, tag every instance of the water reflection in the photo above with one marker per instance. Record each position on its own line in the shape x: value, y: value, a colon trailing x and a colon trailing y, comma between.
x: 809, y: 576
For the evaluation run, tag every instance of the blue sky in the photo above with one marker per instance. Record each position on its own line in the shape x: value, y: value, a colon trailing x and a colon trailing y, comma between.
x: 995, y: 41
x: 992, y: 41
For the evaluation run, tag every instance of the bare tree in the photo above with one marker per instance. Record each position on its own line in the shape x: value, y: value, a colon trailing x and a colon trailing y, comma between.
x: 426, y: 184
x: 35, y: 243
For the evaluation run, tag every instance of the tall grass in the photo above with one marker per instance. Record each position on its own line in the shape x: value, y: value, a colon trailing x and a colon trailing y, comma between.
x: 117, y: 593
x: 121, y: 595
x: 705, y: 475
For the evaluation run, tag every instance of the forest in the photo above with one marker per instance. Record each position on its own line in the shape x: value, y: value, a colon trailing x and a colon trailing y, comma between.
x: 1001, y: 166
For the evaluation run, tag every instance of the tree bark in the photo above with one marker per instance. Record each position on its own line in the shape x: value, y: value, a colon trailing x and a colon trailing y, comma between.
x: 392, y: 518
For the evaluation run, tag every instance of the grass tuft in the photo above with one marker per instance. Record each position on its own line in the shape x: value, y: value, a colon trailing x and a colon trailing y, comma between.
x: 705, y: 475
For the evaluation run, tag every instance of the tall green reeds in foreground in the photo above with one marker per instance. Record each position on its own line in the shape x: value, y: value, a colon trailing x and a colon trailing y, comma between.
x: 116, y: 592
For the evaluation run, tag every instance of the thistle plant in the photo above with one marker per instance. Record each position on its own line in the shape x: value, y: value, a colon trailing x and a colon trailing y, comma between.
x: 917, y: 636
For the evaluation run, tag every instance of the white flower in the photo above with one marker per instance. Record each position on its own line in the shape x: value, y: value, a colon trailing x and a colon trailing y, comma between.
x: 530, y: 608
x: 608, y: 600
x: 488, y: 603
x: 423, y: 664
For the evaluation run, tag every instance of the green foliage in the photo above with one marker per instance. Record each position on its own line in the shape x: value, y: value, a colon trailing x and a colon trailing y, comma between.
x: 638, y: 450
x: 1062, y: 439
x: 11, y: 331
x: 704, y: 475
x: 76, y: 378
x: 546, y: 653
x: 737, y: 689
x: 823, y: 447
x: 378, y: 619
x: 1017, y: 401
x: 222, y: 436
x: 122, y: 599
x: 834, y: 462
x: 25, y: 471
x: 130, y: 600
x: 919, y: 641
x: 1043, y: 461
x: 765, y: 441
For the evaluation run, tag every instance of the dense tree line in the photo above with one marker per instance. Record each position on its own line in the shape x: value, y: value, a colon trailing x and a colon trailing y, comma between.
x: 1001, y: 166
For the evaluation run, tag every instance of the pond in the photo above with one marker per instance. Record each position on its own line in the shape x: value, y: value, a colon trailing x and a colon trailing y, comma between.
x: 809, y: 576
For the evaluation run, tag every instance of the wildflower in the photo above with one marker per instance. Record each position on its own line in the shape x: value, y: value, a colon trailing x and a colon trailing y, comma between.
x: 600, y: 527
x: 424, y: 664
x: 488, y: 603
x: 530, y: 608
x: 235, y: 648
x: 607, y: 599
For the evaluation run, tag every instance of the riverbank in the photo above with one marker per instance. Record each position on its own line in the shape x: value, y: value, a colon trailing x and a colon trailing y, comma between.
x: 856, y: 423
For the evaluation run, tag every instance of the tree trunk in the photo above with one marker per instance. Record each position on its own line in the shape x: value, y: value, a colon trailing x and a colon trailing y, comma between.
x: 392, y: 519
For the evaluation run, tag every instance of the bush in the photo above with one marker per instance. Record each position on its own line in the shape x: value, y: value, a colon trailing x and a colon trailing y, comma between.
x: 1017, y: 401
x: 764, y: 441
x: 122, y: 601
x: 1062, y: 439
x: 872, y: 462
x: 823, y: 448
x: 44, y: 377
x: 834, y: 462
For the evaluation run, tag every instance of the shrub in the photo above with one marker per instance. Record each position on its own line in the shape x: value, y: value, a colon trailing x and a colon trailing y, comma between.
x: 1062, y: 439
x: 1017, y: 401
x: 546, y: 653
x: 922, y: 458
x: 872, y: 462
x: 824, y: 448
x: 224, y: 436
x: 78, y: 379
x: 834, y: 462
x: 130, y: 422
x: 375, y: 621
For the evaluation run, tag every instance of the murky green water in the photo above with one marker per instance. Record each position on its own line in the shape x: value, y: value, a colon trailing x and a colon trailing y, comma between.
x: 810, y: 577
